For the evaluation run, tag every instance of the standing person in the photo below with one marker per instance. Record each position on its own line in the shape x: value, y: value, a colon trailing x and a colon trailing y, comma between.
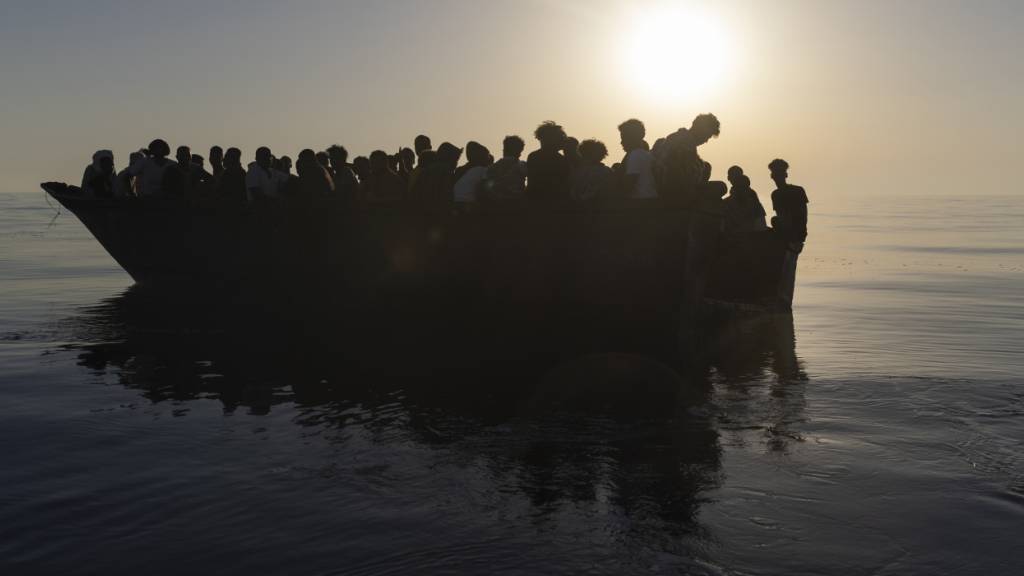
x: 406, y: 164
x: 315, y: 183
x: 506, y: 178
x: 383, y: 185
x: 571, y: 151
x: 743, y: 210
x: 594, y: 180
x: 789, y: 203
x: 98, y: 178
x: 216, y: 162
x: 637, y: 166
x: 125, y: 184
x: 183, y: 179
x: 231, y: 185
x: 547, y: 170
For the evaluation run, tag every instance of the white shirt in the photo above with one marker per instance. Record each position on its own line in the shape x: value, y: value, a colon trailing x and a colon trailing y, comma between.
x: 260, y: 179
x: 639, y: 163
x: 466, y: 187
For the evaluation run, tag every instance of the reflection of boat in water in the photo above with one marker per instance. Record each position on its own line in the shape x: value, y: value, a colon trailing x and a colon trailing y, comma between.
x: 565, y: 440
x: 628, y: 268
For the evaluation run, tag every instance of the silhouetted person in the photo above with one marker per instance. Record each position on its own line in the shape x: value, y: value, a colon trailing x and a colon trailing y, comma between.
x: 184, y: 179
x: 361, y: 168
x: 420, y: 145
x: 471, y: 178
x: 346, y: 185
x: 406, y: 164
x: 593, y: 179
x: 153, y: 168
x: 315, y: 183
x: 325, y: 160
x: 547, y: 170
x: 216, y: 162
x: 125, y: 184
x: 506, y: 178
x: 434, y: 185
x: 231, y: 186
x: 259, y: 178
x: 383, y: 185
x: 98, y: 178
x: 789, y: 203
x: 743, y: 210
x: 283, y: 175
x: 681, y: 166
x: 638, y: 165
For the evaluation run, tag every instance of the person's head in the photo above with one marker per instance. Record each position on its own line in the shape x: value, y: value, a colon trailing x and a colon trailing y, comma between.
x: 324, y: 159
x: 742, y: 182
x: 233, y: 157
x: 338, y: 156
x: 264, y: 158
x: 512, y: 146
x: 197, y: 160
x: 593, y: 151
x: 704, y: 127
x: 476, y: 153
x: 449, y: 154
x: 550, y: 135
x: 421, y: 143
x: 159, y: 149
x: 216, y: 156
x: 135, y: 159
x: 734, y: 173
x: 407, y: 157
x: 183, y: 156
x: 571, y: 147
x: 632, y: 133
x: 779, y: 169
x: 284, y: 164
x: 361, y: 166
x: 378, y: 162
x: 103, y: 160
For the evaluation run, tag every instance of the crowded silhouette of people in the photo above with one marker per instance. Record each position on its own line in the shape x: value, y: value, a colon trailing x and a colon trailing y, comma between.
x: 260, y: 180
x: 547, y: 169
x: 126, y: 183
x: 593, y: 179
x: 790, y: 204
x: 637, y: 165
x: 506, y: 178
x: 314, y: 180
x: 98, y: 178
x: 183, y: 179
x: 743, y: 210
x: 469, y: 178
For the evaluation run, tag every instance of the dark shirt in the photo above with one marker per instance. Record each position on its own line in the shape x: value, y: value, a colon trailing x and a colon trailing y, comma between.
x: 547, y: 176
x: 232, y: 185
x: 743, y: 211
x: 790, y: 205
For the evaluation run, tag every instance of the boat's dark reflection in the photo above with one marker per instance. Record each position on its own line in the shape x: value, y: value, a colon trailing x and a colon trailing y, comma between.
x: 616, y: 429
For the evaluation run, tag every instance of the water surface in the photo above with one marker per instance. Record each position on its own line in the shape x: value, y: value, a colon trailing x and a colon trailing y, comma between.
x: 876, y: 431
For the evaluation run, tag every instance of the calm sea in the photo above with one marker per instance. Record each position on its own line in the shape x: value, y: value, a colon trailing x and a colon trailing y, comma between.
x: 880, y: 430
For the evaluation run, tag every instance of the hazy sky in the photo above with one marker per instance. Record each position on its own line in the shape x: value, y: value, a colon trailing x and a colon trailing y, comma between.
x: 860, y: 97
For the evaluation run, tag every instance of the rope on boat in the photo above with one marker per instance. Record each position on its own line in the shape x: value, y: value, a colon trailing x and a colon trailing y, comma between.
x: 55, y: 208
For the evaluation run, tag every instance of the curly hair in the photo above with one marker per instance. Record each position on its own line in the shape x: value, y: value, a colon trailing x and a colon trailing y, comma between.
x: 548, y: 131
x: 707, y: 123
x: 593, y: 150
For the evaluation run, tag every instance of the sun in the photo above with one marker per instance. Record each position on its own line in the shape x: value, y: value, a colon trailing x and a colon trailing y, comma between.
x: 674, y: 54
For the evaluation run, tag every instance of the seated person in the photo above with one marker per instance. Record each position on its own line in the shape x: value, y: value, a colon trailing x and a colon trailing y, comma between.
x: 743, y: 210
x: 98, y: 179
x: 593, y: 179
x: 789, y: 203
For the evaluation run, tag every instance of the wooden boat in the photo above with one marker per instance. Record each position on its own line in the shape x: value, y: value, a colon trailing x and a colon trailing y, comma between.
x: 620, y: 269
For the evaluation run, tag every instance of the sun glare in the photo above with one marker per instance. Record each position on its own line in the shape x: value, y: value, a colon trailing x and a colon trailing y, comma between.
x: 675, y: 54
